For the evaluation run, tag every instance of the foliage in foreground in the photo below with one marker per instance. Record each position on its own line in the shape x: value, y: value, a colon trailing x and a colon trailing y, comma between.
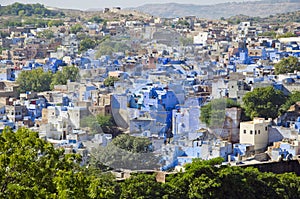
x: 31, y: 168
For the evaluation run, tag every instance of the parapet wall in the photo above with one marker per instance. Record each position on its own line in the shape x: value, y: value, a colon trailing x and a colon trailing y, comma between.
x: 278, y: 167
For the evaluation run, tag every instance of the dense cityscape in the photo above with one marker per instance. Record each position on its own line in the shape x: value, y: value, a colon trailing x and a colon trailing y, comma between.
x: 118, y: 103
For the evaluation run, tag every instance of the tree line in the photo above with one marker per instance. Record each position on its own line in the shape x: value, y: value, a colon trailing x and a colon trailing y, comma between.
x: 19, y: 9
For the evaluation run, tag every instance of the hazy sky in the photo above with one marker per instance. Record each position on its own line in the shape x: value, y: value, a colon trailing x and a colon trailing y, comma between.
x: 86, y: 4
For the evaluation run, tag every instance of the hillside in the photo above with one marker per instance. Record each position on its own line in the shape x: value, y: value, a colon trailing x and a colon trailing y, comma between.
x: 253, y: 8
x: 281, y: 18
x: 28, y: 10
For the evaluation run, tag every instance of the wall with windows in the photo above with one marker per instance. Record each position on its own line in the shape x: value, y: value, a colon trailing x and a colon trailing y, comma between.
x: 255, y: 132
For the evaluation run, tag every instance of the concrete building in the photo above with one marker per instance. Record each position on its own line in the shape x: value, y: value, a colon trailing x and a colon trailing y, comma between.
x: 201, y: 38
x: 255, y: 132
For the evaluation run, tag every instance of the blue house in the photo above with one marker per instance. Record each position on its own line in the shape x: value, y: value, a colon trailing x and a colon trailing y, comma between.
x: 158, y: 102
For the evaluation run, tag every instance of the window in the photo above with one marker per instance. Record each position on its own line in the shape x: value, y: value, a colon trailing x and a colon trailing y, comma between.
x: 266, y: 128
x: 251, y: 132
x: 258, y: 131
x: 255, y: 132
x: 245, y: 131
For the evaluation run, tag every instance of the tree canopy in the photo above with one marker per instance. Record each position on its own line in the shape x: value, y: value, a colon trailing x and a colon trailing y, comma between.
x: 47, y: 34
x: 38, y: 80
x: 287, y: 34
x: 263, y: 102
x: 292, y: 99
x: 31, y: 167
x: 87, y: 43
x: 126, y: 152
x: 214, y: 112
x: 203, y: 179
x: 98, y: 123
x: 110, y: 81
x: 76, y: 28
x: 132, y: 144
x: 19, y: 9
x: 107, y: 47
x: 34, y: 80
x: 287, y: 65
x: 96, y: 19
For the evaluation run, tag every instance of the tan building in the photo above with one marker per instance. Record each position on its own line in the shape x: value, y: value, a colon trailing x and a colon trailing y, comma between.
x: 16, y: 112
x: 255, y: 132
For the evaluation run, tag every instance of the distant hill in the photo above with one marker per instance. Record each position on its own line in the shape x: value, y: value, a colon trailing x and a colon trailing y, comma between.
x: 249, y: 8
x: 281, y: 18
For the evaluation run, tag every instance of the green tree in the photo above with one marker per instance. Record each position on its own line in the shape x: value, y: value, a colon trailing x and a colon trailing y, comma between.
x: 104, y: 121
x: 76, y: 28
x: 4, y: 34
x: 204, y: 179
x: 132, y: 144
x: 263, y: 102
x: 29, y: 165
x: 55, y: 23
x: 71, y: 73
x: 214, y: 112
x: 18, y: 9
x: 186, y: 41
x: 268, y: 34
x: 34, y: 80
x: 87, y: 43
x: 291, y: 100
x: 96, y: 19
x: 182, y: 185
x: 110, y: 81
x: 61, y: 77
x: 99, y: 123
x: 47, y: 34
x: 126, y: 152
x: 58, y: 79
x: 113, y: 156
x: 183, y: 23
x: 107, y: 46
x: 103, y: 186
x: 287, y: 65
x: 142, y: 186
x: 285, y: 35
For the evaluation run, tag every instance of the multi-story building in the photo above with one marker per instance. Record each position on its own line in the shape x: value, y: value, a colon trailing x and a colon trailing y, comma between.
x: 255, y: 132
